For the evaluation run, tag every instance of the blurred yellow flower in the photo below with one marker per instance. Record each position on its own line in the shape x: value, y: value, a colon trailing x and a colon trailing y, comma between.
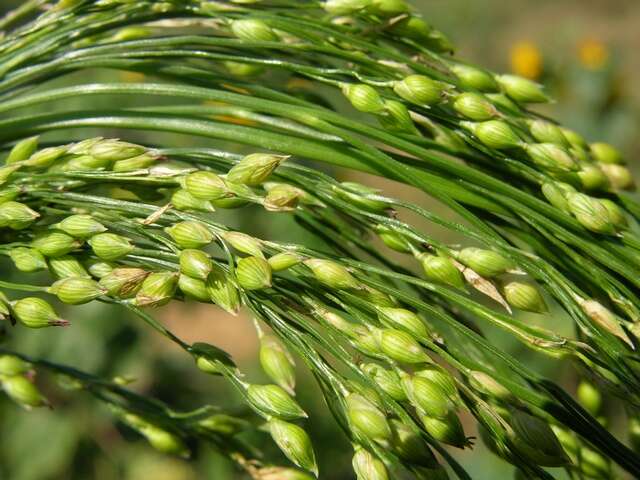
x: 593, y: 54
x: 526, y: 60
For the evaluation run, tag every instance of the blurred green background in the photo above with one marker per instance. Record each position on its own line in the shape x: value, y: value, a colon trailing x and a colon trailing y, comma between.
x: 586, y: 51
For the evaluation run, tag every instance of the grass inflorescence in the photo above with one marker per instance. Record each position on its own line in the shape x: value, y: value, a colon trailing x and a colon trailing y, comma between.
x: 548, y: 222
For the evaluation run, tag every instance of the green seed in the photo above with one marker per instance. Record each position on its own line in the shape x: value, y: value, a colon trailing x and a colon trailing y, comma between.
x: 157, y: 289
x: 605, y: 153
x: 619, y: 176
x: 410, y: 446
x: 368, y: 467
x: 400, y: 346
x: 294, y: 443
x: 474, y: 106
x: 363, y: 97
x: 589, y: 397
x: 485, y: 263
x: 255, y: 168
x: 331, y: 274
x: 494, y: 134
x: 277, y: 363
x: 591, y: 213
x: 474, y: 78
x: 184, y: 201
x: 388, y: 8
x: 419, y: 90
x: 27, y: 259
x: 387, y: 380
x: 109, y: 246
x: 193, y: 288
x: 123, y: 282
x: 522, y: 90
x: 446, y: 430
x: 195, y: 263
x: 442, y: 270
x: 55, y: 244
x: 164, y: 441
x: 34, y: 312
x: 81, y: 226
x: 547, y: 132
x: 525, y: 297
x: 253, y: 273
x: 190, y: 234
x: 76, y: 290
x: 284, y: 260
x: 114, y: 150
x: 22, y: 391
x: 392, y: 239
x: 345, y: 7
x: 273, y: 400
x: 552, y: 157
x: 221, y: 291
x: 99, y: 268
x: 244, y: 243
x: 22, y: 150
x: 282, y: 198
x: 206, y: 186
x: 12, y: 365
x: 45, y: 157
x: 535, y: 440
x: 253, y: 30
x: 366, y: 419
x: 403, y: 319
x: 67, y: 266
x: 16, y: 216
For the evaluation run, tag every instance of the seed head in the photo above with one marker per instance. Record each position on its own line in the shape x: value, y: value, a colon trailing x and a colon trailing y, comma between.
x: 494, y: 134
x: 419, y: 90
x: 22, y: 391
x: 110, y: 246
x: 331, y: 274
x: 184, y: 201
x: 22, y: 150
x: 55, y: 244
x: 474, y: 106
x: 253, y: 30
x: 34, y: 312
x: 195, y: 263
x: 363, y: 97
x: 294, y: 443
x: 524, y: 296
x: 485, y: 263
x: 521, y: 89
x: 27, y: 259
x: 123, y: 282
x: 206, y: 186
x: 441, y: 269
x: 76, y: 290
x: 591, y: 213
x: 255, y: 168
x: 403, y: 319
x: 368, y: 467
x: 273, y: 400
x: 474, y: 78
x: 366, y: 419
x: 222, y: 291
x: 277, y: 363
x: 81, y: 226
x: 284, y: 260
x: 605, y: 153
